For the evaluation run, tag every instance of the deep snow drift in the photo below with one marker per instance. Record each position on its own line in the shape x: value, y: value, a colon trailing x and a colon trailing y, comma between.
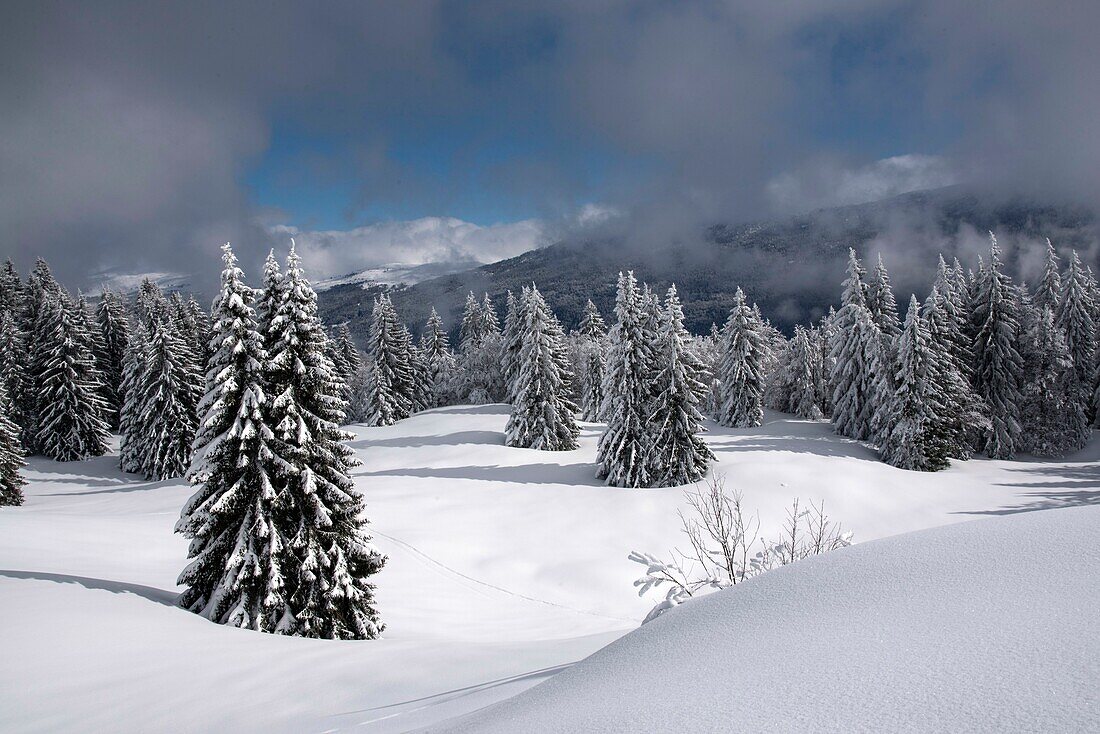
x: 506, y: 566
x: 984, y: 626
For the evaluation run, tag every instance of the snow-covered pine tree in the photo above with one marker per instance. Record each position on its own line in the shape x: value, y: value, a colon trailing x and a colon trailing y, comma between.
x: 593, y: 334
x: 805, y: 376
x: 239, y: 572
x: 678, y: 454
x: 997, y: 364
x: 419, y: 388
x: 741, y: 373
x: 131, y: 455
x: 473, y: 324
x: 1049, y: 292
x: 489, y: 322
x: 12, y: 293
x: 1052, y: 410
x: 114, y: 332
x: 958, y: 413
x: 880, y: 301
x: 70, y: 410
x: 340, y: 365
x: 884, y: 312
x: 388, y: 368
x: 436, y: 348
x: 779, y: 386
x: 512, y: 341
x: 40, y: 288
x: 1074, y: 319
x: 825, y: 338
x: 11, y: 451
x: 169, y: 393
x: 855, y: 354
x: 349, y: 353
x: 914, y: 441
x: 624, y: 445
x: 543, y: 416
x: 328, y: 559
x: 13, y: 375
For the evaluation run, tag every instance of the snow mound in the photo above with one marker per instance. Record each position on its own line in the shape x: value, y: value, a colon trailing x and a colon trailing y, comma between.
x: 983, y: 626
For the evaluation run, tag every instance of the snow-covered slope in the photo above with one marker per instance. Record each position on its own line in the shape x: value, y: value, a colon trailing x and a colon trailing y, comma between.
x: 506, y: 566
x: 985, y: 626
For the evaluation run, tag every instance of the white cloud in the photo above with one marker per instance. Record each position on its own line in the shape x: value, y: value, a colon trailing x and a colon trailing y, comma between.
x: 827, y: 182
x: 332, y: 253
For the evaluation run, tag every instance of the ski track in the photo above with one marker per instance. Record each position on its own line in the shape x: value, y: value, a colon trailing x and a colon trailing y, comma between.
x: 494, y: 587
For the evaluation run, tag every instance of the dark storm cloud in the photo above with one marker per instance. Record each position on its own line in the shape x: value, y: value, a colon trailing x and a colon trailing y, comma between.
x: 126, y: 128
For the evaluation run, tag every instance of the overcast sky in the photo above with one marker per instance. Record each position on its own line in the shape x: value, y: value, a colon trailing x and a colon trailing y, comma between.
x: 142, y: 135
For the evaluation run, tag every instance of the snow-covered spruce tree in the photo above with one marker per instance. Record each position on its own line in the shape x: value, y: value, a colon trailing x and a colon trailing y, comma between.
x: 880, y: 301
x: 12, y: 293
x: 623, y: 447
x: 41, y: 287
x: 329, y: 559
x: 997, y: 365
x: 13, y: 375
x: 825, y: 339
x: 855, y: 353
x: 131, y: 454
x: 11, y: 452
x: 543, y: 416
x: 512, y: 340
x: 593, y: 334
x: 349, y: 353
x: 914, y: 440
x: 678, y: 454
x: 239, y: 572
x: 1052, y: 412
x: 70, y: 410
x: 169, y: 392
x: 489, y: 322
x: 741, y: 373
x: 388, y: 368
x: 436, y: 347
x: 1074, y: 319
x: 1049, y: 292
x: 884, y: 312
x: 958, y: 413
x: 114, y: 333
x: 473, y: 325
x: 419, y: 388
x: 804, y: 374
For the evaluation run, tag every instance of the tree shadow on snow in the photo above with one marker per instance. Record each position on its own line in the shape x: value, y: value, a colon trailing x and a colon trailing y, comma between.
x: 160, y: 596
x: 580, y: 473
x: 1069, y: 486
x: 829, y: 445
x: 486, y: 438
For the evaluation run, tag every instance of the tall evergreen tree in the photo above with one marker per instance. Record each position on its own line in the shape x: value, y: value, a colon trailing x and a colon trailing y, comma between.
x: 328, y: 557
x: 169, y: 393
x: 880, y: 301
x: 1049, y: 292
x: 805, y: 374
x: 489, y: 322
x: 13, y: 375
x: 390, y: 374
x: 11, y: 451
x: 678, y: 454
x: 131, y: 455
x: 512, y: 341
x: 238, y: 573
x: 998, y: 367
x: 1052, y: 410
x: 473, y: 325
x: 593, y: 355
x: 114, y: 332
x: 1074, y: 319
x: 12, y: 295
x: 913, y: 441
x: 958, y: 414
x: 742, y: 376
x: 624, y: 446
x: 70, y: 410
x: 855, y: 353
x: 543, y: 416
x: 436, y: 348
